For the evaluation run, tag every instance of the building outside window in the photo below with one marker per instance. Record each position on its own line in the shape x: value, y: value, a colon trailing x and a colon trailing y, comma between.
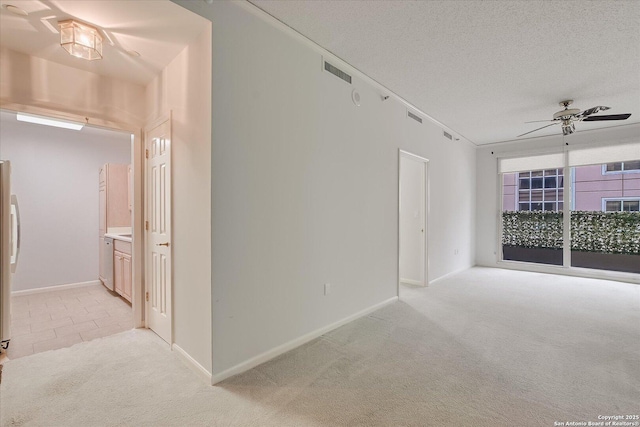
x: 629, y: 205
x: 612, y: 187
x: 618, y: 167
x: 540, y: 190
x: 607, y: 188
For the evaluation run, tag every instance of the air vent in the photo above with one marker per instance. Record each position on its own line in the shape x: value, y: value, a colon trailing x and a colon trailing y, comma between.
x: 337, y: 72
x: 414, y: 117
x: 447, y: 135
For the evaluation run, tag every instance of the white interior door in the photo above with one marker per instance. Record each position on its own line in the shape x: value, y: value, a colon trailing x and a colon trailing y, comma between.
x: 158, y: 250
x: 412, y: 217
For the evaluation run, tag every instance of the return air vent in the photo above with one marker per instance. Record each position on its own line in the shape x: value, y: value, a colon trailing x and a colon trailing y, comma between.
x: 414, y: 117
x: 447, y: 135
x: 337, y: 72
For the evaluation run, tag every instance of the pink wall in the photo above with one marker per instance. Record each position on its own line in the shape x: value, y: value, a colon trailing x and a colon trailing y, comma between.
x: 591, y: 186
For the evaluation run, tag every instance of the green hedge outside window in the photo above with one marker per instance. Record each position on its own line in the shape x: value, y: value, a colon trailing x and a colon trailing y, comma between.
x: 606, y: 232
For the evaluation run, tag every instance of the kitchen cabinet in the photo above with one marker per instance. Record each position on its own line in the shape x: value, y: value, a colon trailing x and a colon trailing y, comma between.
x: 114, y: 197
x: 122, y: 268
x: 114, y: 211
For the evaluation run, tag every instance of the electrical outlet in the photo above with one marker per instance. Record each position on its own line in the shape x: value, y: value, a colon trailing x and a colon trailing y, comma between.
x: 455, y: 251
x: 327, y: 289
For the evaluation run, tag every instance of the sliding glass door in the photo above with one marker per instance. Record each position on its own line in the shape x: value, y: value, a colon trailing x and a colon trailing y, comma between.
x: 598, y: 188
x: 605, y: 216
x: 532, y: 216
x: 532, y: 209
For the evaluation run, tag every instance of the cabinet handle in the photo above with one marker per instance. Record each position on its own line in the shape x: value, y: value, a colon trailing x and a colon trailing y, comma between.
x: 163, y: 244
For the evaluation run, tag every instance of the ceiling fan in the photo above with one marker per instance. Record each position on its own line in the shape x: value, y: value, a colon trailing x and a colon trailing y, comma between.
x: 569, y: 116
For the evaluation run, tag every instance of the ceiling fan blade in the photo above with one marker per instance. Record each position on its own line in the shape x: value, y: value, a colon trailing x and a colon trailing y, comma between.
x: 552, y: 124
x: 607, y: 117
x: 593, y: 110
x: 540, y: 121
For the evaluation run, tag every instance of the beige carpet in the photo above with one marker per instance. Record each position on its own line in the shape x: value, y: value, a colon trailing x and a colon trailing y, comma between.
x: 486, y: 347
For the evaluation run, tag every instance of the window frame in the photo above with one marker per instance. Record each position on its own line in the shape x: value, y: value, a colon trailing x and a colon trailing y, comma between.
x: 606, y: 172
x: 618, y: 199
x: 558, y: 200
x: 569, y: 183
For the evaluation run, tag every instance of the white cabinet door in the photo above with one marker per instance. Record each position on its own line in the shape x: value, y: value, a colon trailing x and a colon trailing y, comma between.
x: 118, y: 272
x: 126, y: 277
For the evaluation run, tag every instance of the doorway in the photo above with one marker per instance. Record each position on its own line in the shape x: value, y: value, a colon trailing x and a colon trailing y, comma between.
x: 72, y: 307
x: 412, y: 220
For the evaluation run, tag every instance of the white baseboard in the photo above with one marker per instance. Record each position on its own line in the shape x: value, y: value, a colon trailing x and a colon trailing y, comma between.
x: 412, y: 282
x: 297, y: 342
x: 449, y: 274
x: 55, y: 288
x: 192, y: 363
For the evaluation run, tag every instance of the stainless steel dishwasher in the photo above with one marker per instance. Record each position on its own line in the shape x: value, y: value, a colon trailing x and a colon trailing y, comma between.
x: 108, y: 263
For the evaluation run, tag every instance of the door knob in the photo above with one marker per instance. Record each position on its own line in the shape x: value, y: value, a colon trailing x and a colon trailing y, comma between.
x: 163, y: 244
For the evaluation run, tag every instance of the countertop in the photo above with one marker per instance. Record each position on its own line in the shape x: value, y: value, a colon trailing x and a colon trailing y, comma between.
x: 123, y: 237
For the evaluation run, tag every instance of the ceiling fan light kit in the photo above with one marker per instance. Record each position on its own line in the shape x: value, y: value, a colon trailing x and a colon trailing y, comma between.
x: 569, y: 116
x: 80, y: 40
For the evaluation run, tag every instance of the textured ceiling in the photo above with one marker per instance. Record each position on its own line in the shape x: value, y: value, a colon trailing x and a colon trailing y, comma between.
x: 157, y: 29
x: 483, y: 68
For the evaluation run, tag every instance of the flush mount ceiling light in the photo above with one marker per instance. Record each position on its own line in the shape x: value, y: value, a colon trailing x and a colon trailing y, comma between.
x: 80, y: 40
x: 40, y: 120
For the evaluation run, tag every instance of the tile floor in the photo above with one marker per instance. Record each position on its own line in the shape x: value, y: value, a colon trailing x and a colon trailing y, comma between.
x: 57, y: 319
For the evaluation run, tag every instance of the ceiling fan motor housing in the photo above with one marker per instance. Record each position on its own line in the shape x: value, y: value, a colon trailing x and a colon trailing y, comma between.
x: 567, y: 113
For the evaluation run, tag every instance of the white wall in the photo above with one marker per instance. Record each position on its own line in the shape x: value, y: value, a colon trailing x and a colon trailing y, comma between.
x: 184, y: 88
x: 305, y: 189
x: 487, y: 181
x: 55, y: 177
x: 27, y: 80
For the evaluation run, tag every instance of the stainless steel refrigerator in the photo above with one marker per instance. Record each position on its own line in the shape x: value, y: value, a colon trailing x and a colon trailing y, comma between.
x: 9, y: 249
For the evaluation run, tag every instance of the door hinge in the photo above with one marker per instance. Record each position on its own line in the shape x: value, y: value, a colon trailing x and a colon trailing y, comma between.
x: 146, y: 225
x: 146, y: 296
x: 146, y: 154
